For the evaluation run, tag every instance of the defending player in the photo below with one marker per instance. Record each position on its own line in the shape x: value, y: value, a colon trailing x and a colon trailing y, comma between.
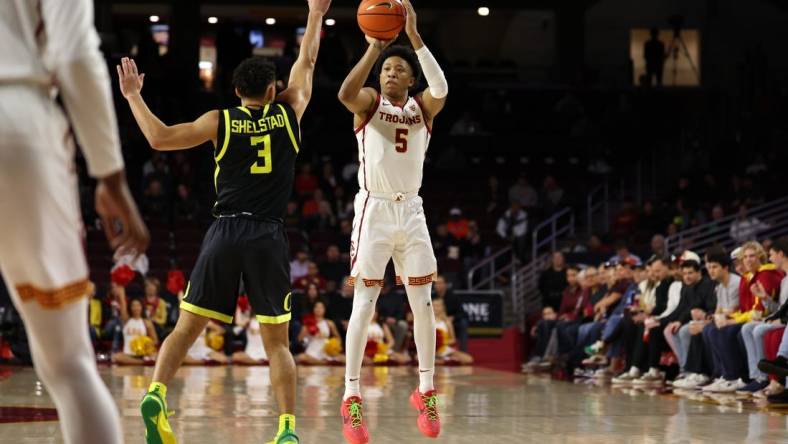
x: 256, y: 146
x: 393, y: 131
x: 51, y: 46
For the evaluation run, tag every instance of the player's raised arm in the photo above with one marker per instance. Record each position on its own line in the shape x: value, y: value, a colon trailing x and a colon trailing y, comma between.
x: 434, y: 97
x: 160, y: 136
x: 299, y: 87
x: 352, y: 94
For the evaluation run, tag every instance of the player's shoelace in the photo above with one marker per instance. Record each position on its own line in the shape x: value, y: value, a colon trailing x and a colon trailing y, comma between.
x: 355, y: 414
x: 431, y: 406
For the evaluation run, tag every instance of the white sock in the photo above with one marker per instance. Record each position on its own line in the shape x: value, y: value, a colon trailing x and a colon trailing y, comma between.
x: 420, y: 299
x: 65, y: 362
x: 364, y: 299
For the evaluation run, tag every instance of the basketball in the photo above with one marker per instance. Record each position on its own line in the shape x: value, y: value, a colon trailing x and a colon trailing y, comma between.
x: 381, y: 19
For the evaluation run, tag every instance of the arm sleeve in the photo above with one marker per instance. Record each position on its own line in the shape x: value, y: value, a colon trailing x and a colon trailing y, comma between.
x: 72, y: 55
x: 436, y: 80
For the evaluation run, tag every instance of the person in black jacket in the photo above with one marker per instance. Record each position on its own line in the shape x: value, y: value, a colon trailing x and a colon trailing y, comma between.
x: 552, y: 282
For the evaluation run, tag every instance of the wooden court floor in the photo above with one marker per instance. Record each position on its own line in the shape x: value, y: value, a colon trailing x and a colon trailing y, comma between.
x: 217, y: 405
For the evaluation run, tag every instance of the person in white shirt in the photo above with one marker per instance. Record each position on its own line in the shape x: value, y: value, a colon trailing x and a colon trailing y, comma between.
x: 50, y: 48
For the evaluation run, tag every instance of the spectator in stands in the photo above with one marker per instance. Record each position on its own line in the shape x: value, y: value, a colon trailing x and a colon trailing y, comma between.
x: 444, y: 244
x: 513, y: 226
x: 624, y: 255
x: 155, y: 204
x: 648, y: 221
x: 446, y: 341
x: 312, y: 277
x: 299, y: 267
x: 315, y: 337
x: 292, y: 217
x: 341, y: 305
x: 654, y: 53
x: 333, y: 268
x: 552, y: 195
x: 552, y: 282
x: 700, y: 294
x: 305, y: 183
x: 139, y: 335
x: 454, y: 311
x: 457, y: 224
x: 312, y: 206
x: 186, y: 206
x: 474, y: 249
x: 523, y: 193
x: 350, y: 172
x: 746, y: 228
x: 155, y: 307
x: 754, y: 331
x: 666, y: 298
x: 690, y: 341
x: 658, y: 245
x: 572, y: 305
x: 762, y: 279
x: 324, y: 220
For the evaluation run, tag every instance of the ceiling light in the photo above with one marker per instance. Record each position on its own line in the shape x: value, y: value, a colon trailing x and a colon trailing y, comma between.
x: 484, y: 11
x: 154, y: 19
x: 270, y: 21
x: 213, y: 20
x: 331, y: 22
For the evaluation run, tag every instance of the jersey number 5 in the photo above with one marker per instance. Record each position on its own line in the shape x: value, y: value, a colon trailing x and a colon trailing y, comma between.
x: 264, y: 155
x: 401, y: 140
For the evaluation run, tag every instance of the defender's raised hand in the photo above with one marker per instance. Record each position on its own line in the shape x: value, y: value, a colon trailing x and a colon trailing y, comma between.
x: 130, y: 80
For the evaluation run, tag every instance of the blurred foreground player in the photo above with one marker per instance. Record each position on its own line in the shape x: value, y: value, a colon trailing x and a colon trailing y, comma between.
x: 50, y: 47
x: 393, y: 131
x: 256, y: 145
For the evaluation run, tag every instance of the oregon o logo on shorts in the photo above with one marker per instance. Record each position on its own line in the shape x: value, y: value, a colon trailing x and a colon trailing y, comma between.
x: 287, y: 302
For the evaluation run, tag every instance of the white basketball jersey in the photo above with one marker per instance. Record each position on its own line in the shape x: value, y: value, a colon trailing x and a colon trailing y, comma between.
x: 392, y: 144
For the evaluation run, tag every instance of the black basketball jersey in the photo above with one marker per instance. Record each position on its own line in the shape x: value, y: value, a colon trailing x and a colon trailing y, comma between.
x: 255, y: 160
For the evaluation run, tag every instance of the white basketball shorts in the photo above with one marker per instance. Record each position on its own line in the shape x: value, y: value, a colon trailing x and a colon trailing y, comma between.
x: 41, y: 251
x: 391, y: 226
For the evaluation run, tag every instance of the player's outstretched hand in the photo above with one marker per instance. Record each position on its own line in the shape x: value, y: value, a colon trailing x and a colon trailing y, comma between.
x: 410, y: 18
x: 380, y: 44
x: 116, y: 206
x: 130, y: 80
x: 320, y: 6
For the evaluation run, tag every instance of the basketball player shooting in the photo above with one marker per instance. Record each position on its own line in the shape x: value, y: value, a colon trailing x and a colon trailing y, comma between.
x: 256, y: 146
x: 50, y: 47
x: 393, y: 130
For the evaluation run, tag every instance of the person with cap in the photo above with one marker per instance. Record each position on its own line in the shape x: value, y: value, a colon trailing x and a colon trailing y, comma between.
x: 458, y: 226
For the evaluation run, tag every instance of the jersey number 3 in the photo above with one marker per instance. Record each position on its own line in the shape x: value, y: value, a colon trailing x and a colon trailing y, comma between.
x: 264, y: 155
x: 401, y: 140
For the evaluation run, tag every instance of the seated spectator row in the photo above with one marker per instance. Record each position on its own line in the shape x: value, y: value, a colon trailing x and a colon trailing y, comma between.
x: 714, y: 324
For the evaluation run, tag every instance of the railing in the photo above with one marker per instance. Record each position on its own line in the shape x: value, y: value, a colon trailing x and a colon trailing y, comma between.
x: 491, y: 265
x: 593, y: 206
x: 525, y: 289
x: 555, y: 230
x: 773, y: 215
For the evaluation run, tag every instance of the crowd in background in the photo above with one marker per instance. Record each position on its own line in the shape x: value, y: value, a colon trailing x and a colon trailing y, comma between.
x: 711, y: 324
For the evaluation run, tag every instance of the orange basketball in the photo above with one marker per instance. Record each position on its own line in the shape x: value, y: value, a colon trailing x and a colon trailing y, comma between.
x: 381, y: 19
